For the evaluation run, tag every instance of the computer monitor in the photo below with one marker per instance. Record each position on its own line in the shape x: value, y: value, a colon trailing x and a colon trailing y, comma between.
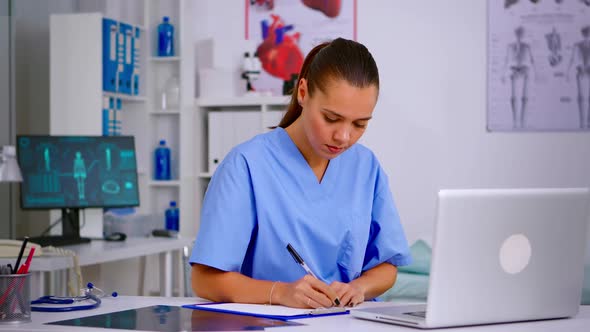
x: 76, y: 172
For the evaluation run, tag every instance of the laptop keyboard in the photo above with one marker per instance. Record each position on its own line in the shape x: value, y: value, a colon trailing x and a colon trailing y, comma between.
x: 421, y: 314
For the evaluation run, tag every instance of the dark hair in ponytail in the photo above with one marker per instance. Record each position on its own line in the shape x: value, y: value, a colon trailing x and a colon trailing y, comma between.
x: 339, y: 59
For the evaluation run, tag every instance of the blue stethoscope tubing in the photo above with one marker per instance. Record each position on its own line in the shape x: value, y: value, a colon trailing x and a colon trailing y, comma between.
x: 88, y: 295
x: 49, y: 299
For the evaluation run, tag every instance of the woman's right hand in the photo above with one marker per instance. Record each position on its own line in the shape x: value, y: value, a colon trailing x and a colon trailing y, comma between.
x: 307, y: 292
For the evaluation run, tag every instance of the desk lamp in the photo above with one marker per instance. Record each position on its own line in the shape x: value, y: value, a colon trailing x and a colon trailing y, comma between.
x: 9, y: 170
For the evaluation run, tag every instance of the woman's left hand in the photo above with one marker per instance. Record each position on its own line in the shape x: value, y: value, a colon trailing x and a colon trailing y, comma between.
x: 348, y: 294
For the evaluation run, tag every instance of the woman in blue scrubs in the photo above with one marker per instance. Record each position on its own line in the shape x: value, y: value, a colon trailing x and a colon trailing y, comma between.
x: 309, y: 184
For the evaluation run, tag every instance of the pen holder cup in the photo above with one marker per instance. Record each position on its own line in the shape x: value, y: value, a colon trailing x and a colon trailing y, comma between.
x: 15, y: 298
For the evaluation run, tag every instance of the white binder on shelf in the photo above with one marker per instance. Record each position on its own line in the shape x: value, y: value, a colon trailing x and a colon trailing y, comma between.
x: 228, y: 129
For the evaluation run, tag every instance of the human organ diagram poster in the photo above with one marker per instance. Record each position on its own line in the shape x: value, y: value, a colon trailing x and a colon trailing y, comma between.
x: 284, y: 31
x: 538, y: 65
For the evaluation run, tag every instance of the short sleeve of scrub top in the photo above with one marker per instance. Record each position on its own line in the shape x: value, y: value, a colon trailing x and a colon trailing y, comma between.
x: 228, y: 216
x: 264, y: 196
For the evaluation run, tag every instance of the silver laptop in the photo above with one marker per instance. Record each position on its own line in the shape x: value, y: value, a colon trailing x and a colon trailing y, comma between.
x: 501, y: 255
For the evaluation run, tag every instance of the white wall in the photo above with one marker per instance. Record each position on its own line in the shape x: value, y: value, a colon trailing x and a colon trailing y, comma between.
x: 429, y: 125
x: 128, y: 11
x: 31, y: 40
x: 6, y: 115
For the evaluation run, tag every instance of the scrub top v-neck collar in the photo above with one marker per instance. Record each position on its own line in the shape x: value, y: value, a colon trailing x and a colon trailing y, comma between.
x: 315, y: 189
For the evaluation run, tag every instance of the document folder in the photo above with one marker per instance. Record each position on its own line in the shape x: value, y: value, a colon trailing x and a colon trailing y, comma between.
x: 125, y: 85
x: 110, y: 33
x: 135, y: 61
x: 121, y: 46
x: 267, y: 311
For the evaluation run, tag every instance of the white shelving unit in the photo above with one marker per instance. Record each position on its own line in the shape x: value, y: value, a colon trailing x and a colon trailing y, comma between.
x: 125, y: 97
x: 172, y: 125
x: 166, y: 113
x: 158, y: 183
x: 76, y: 102
x: 164, y: 59
x: 265, y: 103
x: 270, y: 107
x: 77, y: 96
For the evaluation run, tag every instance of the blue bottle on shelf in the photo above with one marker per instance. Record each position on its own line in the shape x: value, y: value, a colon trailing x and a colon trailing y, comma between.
x: 162, y: 162
x: 172, y: 217
x: 165, y: 38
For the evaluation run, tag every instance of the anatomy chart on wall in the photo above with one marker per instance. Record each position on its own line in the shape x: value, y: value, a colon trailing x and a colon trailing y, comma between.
x: 538, y: 65
x: 285, y: 31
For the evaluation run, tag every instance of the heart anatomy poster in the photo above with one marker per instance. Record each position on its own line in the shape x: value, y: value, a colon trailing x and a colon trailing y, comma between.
x: 538, y: 65
x: 284, y: 31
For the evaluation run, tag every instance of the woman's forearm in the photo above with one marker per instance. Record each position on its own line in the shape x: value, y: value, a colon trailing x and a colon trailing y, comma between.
x: 222, y: 286
x: 377, y: 280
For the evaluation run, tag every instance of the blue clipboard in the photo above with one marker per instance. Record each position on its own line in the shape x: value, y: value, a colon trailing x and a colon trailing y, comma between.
x: 311, y: 313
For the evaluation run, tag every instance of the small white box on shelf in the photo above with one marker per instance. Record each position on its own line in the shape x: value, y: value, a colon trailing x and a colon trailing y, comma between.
x: 222, y: 53
x: 137, y: 225
x: 220, y: 83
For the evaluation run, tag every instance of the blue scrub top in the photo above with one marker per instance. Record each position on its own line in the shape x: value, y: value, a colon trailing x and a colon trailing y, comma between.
x: 265, y: 195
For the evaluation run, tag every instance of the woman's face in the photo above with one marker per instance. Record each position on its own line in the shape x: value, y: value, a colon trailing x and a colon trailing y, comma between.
x: 335, y: 119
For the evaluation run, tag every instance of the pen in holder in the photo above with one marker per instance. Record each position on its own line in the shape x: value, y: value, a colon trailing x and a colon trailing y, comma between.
x: 15, y: 302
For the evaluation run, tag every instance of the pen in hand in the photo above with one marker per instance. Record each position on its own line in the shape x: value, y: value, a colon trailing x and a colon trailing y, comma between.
x: 301, y: 262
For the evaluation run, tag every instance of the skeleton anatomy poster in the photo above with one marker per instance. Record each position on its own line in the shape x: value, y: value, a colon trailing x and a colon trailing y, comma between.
x: 538, y: 65
x: 284, y: 31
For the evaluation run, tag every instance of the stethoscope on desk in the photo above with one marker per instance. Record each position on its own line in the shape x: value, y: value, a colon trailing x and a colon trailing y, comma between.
x: 90, y: 293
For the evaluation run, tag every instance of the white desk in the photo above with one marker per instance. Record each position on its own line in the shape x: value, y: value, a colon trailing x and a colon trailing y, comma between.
x: 330, y: 323
x: 97, y: 252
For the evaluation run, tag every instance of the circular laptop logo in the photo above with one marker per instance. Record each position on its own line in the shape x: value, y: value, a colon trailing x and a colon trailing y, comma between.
x: 515, y: 253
